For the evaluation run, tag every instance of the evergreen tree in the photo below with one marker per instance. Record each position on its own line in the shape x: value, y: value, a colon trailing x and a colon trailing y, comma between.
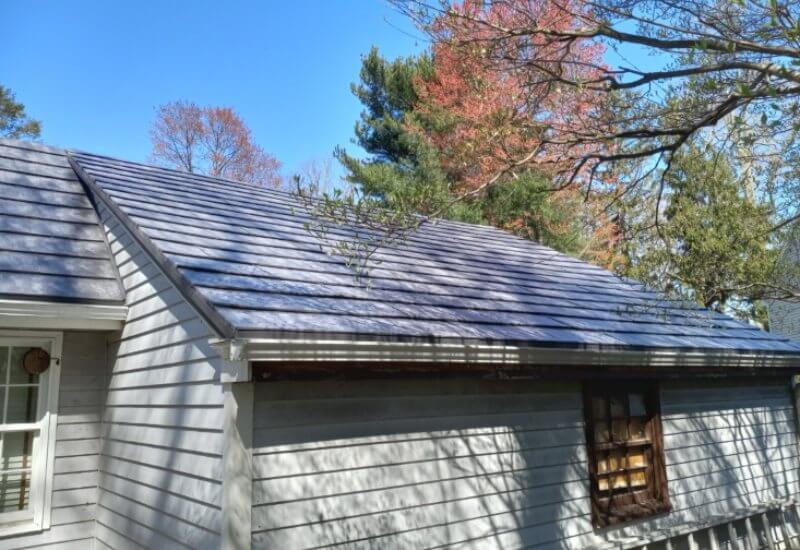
x: 714, y: 241
x: 404, y: 168
x: 14, y: 122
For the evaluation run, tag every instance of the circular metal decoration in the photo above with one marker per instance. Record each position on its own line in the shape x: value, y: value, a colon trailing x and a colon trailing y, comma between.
x: 36, y: 361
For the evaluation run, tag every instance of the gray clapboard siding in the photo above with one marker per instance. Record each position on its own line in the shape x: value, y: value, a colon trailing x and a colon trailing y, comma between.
x: 160, y: 466
x: 784, y: 317
x: 469, y: 464
x: 414, y: 464
x: 75, y: 480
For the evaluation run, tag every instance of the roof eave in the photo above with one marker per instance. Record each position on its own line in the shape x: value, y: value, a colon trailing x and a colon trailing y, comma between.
x: 333, y: 351
x: 61, y: 315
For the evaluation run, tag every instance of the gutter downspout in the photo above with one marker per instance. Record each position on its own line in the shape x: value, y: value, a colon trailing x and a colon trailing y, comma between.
x: 237, y: 458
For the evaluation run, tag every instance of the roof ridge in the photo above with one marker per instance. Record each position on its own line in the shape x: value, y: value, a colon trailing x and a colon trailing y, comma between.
x: 281, y: 193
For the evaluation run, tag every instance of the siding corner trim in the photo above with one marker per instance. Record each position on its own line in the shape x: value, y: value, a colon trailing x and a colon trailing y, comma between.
x: 237, y: 470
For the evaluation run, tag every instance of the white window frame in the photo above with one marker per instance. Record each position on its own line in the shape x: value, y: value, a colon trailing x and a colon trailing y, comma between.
x: 43, y: 451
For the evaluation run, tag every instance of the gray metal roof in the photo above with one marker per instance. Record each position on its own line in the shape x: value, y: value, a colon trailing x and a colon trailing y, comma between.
x: 51, y: 243
x: 245, y: 256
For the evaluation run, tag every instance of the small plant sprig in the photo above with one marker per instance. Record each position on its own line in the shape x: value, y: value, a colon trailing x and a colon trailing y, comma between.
x: 352, y: 226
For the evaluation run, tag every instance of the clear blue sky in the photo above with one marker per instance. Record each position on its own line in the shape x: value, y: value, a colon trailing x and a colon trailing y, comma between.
x: 93, y: 71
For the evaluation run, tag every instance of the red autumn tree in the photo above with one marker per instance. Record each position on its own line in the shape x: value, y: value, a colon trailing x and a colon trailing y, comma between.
x: 493, y: 119
x: 492, y: 122
x: 213, y: 141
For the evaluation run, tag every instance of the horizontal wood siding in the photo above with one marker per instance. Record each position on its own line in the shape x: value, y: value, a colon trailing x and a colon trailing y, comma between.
x: 77, y: 447
x: 784, y: 317
x: 728, y: 446
x: 470, y: 464
x: 162, y: 437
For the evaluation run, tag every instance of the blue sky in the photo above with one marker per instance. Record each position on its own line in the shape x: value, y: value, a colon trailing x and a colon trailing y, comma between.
x: 94, y: 71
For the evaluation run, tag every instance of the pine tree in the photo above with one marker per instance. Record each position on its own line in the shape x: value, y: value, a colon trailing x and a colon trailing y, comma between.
x: 714, y: 241
x: 405, y: 169
x: 14, y: 122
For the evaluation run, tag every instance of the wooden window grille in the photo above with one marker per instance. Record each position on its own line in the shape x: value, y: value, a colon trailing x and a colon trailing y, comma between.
x: 625, y: 452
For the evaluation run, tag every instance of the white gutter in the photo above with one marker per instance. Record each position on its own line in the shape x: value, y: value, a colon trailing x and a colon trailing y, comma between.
x: 281, y: 350
x: 63, y: 316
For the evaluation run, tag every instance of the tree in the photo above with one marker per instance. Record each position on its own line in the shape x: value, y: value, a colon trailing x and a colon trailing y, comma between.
x: 213, y: 141
x: 412, y: 166
x: 724, y: 73
x: 402, y: 171
x: 496, y: 120
x: 712, y: 65
x: 714, y: 245
x: 14, y: 122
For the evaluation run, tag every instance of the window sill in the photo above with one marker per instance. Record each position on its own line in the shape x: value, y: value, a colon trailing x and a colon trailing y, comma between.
x: 632, y: 513
x: 19, y: 528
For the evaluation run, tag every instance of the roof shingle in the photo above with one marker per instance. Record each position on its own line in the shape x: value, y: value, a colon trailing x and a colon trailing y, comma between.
x: 246, y: 252
x: 51, y: 243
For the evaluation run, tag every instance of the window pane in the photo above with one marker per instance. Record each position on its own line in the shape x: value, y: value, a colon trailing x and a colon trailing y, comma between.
x: 15, y: 484
x: 637, y: 428
x: 14, y: 491
x: 619, y: 481
x: 599, y: 407
x: 636, y: 458
x: 617, y: 407
x: 616, y: 460
x: 21, y: 404
x: 610, y: 461
x: 638, y: 478
x: 636, y: 402
x: 601, y: 432
x: 17, y: 447
x: 602, y: 463
x: 619, y: 429
x: 17, y: 373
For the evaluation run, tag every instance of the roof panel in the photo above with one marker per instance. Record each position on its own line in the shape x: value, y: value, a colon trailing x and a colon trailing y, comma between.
x: 244, y: 251
x: 51, y: 244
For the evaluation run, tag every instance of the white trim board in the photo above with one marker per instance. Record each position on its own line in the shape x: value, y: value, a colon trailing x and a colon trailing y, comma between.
x: 264, y: 349
x: 58, y: 315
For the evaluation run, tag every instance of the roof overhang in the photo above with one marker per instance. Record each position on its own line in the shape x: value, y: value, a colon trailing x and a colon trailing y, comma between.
x: 61, y: 315
x: 282, y: 356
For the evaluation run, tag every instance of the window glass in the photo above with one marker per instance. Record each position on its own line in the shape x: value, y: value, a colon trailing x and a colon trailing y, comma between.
x: 21, y: 404
x: 18, y: 389
x: 637, y: 407
x: 15, y: 472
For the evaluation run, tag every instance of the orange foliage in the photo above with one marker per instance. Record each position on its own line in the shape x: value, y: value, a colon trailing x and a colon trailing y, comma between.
x: 500, y: 116
x: 211, y: 140
x: 497, y: 106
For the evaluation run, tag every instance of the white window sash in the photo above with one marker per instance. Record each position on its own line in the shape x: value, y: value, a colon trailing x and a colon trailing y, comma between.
x: 37, y: 516
x: 29, y: 427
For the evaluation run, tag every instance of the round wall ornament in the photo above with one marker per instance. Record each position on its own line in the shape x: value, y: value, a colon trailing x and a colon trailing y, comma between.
x: 36, y: 361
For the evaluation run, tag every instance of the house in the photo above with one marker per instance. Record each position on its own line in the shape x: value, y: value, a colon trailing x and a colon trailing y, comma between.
x: 784, y: 318
x: 183, y: 367
x: 784, y: 315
